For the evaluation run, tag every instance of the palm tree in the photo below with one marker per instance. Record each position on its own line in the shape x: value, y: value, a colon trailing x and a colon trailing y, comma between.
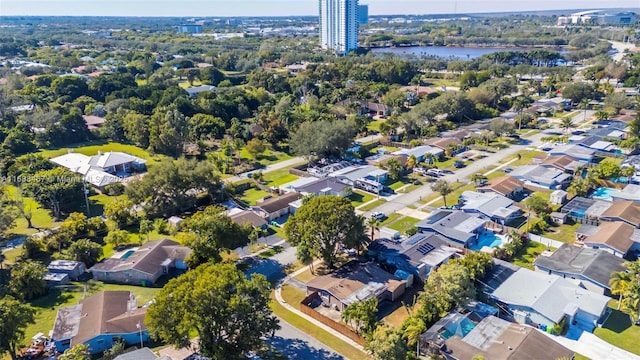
x: 373, y: 224
x: 601, y: 115
x: 619, y: 283
x: 584, y: 105
x: 628, y: 172
x: 443, y: 188
x: 412, y: 161
x: 477, y: 177
x: 413, y: 327
x: 567, y: 123
x: 518, y: 105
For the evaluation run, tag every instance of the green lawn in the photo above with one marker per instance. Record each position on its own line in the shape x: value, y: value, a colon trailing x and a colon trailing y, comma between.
x: 360, y: 197
x: 619, y: 331
x: 321, y: 335
x: 403, y: 224
x: 390, y: 218
x: 526, y: 157
x: 565, y: 233
x: 408, y: 188
x: 452, y: 198
x: 267, y: 158
x: 186, y: 84
x: 48, y: 305
x: 279, y: 177
x: 372, y: 205
x: 526, y: 257
x: 41, y: 217
x: 251, y: 196
x: 92, y: 148
x: 375, y: 125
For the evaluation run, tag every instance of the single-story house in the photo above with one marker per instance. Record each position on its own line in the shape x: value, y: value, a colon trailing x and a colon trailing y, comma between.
x: 563, y: 163
x: 101, y: 169
x: 144, y: 265
x: 420, y: 152
x: 540, y: 176
x: 592, y: 267
x: 444, y: 142
x: 417, y: 255
x: 494, y: 207
x: 574, y: 151
x: 100, y: 321
x: 631, y: 192
x: 585, y: 210
x: 456, y: 226
x: 623, y: 210
x: 544, y: 300
x: 75, y: 269
x: 276, y: 207
x: 497, y: 339
x: 371, y: 108
x: 249, y: 217
x: 592, y: 142
x: 615, y: 237
x: 631, y: 160
x: 356, y: 282
x: 507, y: 186
x: 379, y: 160
x: 94, y: 122
x: 350, y: 174
x: 56, y: 279
x: 325, y: 186
x: 194, y: 91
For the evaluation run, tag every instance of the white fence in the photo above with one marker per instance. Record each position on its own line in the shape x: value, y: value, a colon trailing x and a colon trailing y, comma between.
x: 545, y: 241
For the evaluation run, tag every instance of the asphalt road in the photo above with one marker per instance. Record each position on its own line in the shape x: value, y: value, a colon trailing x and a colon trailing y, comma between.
x: 297, y: 345
x: 398, y: 202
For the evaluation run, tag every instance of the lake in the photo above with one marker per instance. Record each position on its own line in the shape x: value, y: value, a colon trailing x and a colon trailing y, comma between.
x: 446, y: 51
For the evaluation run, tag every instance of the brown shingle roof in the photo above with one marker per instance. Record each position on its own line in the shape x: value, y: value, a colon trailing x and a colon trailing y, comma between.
x: 442, y: 143
x: 248, y: 217
x: 624, y: 210
x: 615, y: 234
x: 278, y: 203
x: 106, y: 312
x: 559, y: 162
x: 503, y: 185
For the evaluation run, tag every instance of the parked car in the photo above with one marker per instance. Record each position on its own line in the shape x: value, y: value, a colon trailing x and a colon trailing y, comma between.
x: 458, y: 164
x: 378, y: 215
x: 435, y: 172
x: 508, y: 170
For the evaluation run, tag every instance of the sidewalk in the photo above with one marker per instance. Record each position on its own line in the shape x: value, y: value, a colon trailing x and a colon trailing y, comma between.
x: 278, y: 293
x: 593, y: 347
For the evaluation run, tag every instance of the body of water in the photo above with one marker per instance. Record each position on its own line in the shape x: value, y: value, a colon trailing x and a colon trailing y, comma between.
x: 446, y: 51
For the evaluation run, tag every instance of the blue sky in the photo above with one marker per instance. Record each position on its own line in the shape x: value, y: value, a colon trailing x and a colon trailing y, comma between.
x: 284, y: 7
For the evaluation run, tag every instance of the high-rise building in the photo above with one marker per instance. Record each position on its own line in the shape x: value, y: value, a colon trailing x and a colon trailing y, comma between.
x: 363, y: 14
x: 339, y: 25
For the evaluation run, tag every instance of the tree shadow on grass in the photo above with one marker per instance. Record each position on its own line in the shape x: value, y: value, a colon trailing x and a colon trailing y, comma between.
x: 53, y: 299
x: 617, y: 321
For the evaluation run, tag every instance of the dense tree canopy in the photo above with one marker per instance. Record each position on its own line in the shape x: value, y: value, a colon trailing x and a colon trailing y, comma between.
x: 228, y: 312
x: 15, y: 316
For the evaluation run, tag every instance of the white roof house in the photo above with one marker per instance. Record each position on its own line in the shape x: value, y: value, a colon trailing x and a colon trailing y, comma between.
x: 113, y: 158
x: 493, y: 206
x: 98, y: 170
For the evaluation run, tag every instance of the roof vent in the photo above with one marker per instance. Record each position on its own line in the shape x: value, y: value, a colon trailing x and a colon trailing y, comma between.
x: 509, y: 347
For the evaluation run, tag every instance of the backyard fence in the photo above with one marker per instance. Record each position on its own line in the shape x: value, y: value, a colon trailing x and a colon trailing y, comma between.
x: 545, y: 241
x: 341, y: 328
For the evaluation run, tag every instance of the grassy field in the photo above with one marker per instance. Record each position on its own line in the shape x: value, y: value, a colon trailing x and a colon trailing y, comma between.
x: 526, y: 157
x: 47, y: 306
x: 372, y: 205
x: 268, y: 157
x: 403, y: 224
x: 360, y: 197
x: 251, y: 196
x: 619, y: 331
x: 375, y: 125
x: 321, y: 335
x: 565, y: 233
x: 41, y: 217
x: 305, y: 275
x: 279, y: 177
x: 525, y: 257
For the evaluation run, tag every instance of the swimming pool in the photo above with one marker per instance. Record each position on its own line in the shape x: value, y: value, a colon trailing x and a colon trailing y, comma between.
x: 487, y: 238
x: 461, y: 328
x: 127, y: 254
x: 603, y: 193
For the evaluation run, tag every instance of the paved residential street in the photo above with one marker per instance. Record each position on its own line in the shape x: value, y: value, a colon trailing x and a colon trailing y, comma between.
x: 297, y: 345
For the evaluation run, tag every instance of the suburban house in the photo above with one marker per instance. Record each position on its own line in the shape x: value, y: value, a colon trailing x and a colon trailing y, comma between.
x: 615, y: 237
x: 564, y: 163
x: 366, y: 108
x: 631, y: 161
x: 100, y: 321
x: 544, y: 300
x: 457, y: 227
x: 631, y: 192
x: 74, y: 269
x: 351, y: 174
x: 93, y: 122
x: 417, y: 255
x: 194, y: 91
x: 494, y: 207
x: 420, y: 152
x: 444, y: 143
x: 497, y: 339
x: 623, y: 210
x: 541, y: 176
x: 355, y: 282
x: 381, y: 159
x: 591, y: 142
x: 325, y: 186
x: 276, y: 207
x: 592, y: 267
x: 144, y: 265
x: 102, y: 169
x: 506, y: 186
x: 577, y: 152
x: 249, y: 217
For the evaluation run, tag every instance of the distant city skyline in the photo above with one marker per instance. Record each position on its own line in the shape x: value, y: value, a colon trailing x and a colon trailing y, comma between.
x: 212, y: 8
